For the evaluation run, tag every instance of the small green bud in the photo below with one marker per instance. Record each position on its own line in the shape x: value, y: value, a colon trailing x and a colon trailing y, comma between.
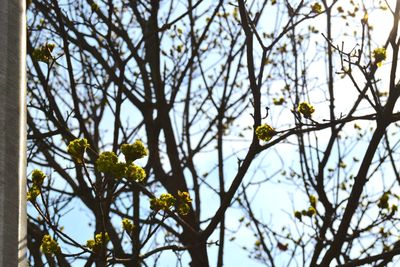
x: 311, y: 211
x: 127, y: 225
x: 313, y: 201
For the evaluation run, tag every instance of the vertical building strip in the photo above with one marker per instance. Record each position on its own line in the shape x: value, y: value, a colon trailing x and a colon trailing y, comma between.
x: 12, y: 133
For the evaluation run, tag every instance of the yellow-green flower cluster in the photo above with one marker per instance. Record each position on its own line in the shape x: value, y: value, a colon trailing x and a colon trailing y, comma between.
x: 306, y: 109
x: 183, y: 203
x: 77, y: 148
x: 265, y: 132
x: 364, y: 20
x: 33, y: 193
x: 313, y: 201
x: 297, y: 214
x: 312, y: 210
x: 380, y: 55
x: 394, y: 208
x: 49, y: 245
x: 384, y: 201
x: 164, y: 202
x: 127, y: 225
x: 134, y: 151
x: 235, y: 14
x: 43, y: 53
x: 108, y: 163
x: 37, y: 182
x: 119, y: 170
x: 278, y: 101
x: 309, y: 213
x: 95, y: 6
x: 316, y: 8
x: 98, y: 241
x: 38, y: 177
x: 135, y: 173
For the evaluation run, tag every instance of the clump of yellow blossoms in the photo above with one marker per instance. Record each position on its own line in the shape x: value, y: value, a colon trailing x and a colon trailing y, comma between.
x: 108, y: 163
x: 384, y: 201
x: 127, y: 225
x: 37, y: 181
x: 298, y: 214
x: 265, y: 132
x: 278, y: 101
x: 313, y: 201
x: 164, y: 202
x: 49, y: 245
x: 380, y: 55
x: 43, y: 53
x: 77, y: 148
x: 311, y: 211
x: 38, y: 177
x: 183, y: 201
x: 95, y: 7
x: 235, y: 14
x: 98, y: 241
x: 134, y: 151
x: 306, y: 109
x: 33, y: 193
x: 364, y: 20
x: 135, y: 173
x: 316, y: 8
x: 167, y: 201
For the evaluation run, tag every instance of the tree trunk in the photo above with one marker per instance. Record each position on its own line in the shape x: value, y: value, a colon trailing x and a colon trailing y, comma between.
x: 199, y: 256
